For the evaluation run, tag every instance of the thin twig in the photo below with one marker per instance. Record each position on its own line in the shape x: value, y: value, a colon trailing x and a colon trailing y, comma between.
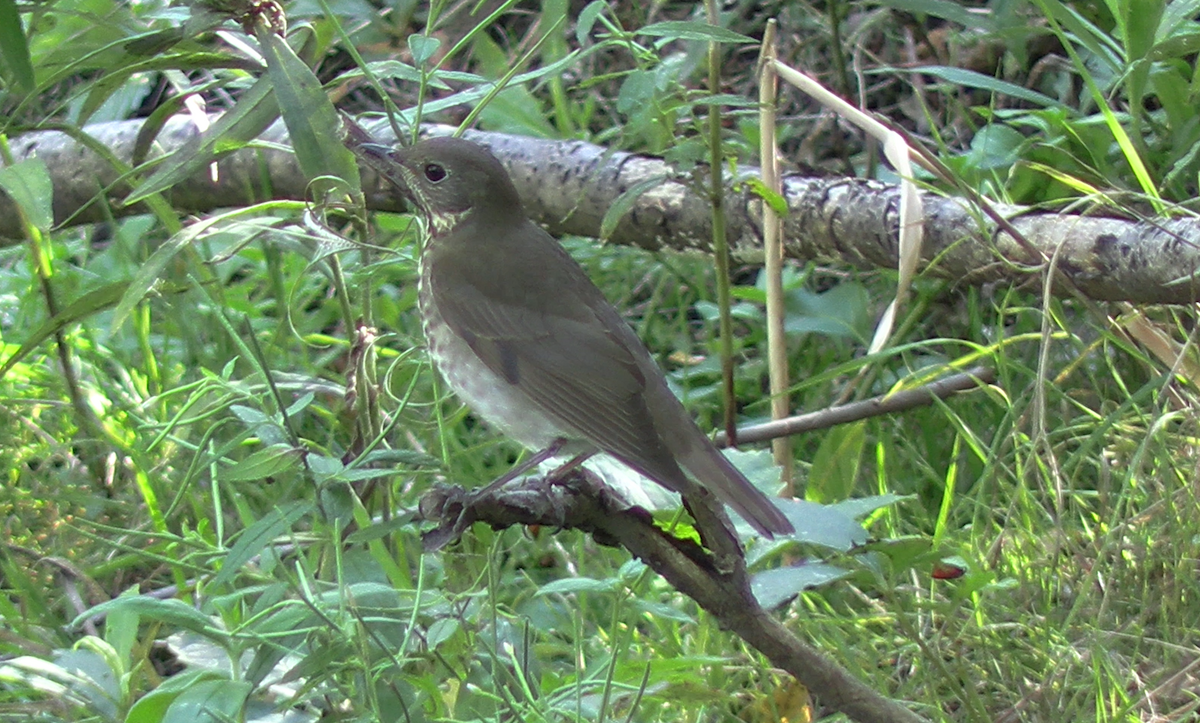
x: 885, y: 404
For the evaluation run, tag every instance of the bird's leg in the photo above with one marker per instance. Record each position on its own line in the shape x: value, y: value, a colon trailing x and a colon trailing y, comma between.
x: 447, y: 531
x: 539, y: 457
x: 569, y: 466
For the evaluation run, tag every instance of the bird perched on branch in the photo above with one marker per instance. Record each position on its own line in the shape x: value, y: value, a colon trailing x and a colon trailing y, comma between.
x: 523, y: 336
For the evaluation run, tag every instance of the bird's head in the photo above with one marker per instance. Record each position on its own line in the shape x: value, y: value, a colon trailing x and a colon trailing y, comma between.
x: 448, y: 178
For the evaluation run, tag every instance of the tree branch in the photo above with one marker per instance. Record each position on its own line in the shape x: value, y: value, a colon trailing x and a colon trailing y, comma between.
x: 570, y: 185
x: 578, y: 500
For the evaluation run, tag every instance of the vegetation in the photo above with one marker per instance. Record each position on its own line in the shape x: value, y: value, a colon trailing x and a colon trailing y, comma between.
x: 203, y: 422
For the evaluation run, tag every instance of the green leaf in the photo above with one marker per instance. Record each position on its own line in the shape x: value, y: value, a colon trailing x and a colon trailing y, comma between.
x: 824, y: 525
x: 945, y: 9
x: 843, y: 311
x: 172, y: 612
x: 210, y: 701
x: 114, y: 101
x: 660, y: 611
x: 400, y: 456
x: 577, y: 584
x: 78, y: 677
x: 776, y: 201
x: 400, y: 71
x: 440, y: 631
x: 1176, y: 24
x: 904, y: 552
x: 995, y: 148
x: 422, y: 47
x: 636, y: 90
x: 757, y: 464
x: 835, y: 467
x: 264, y: 426
x: 323, y: 466
x: 84, y: 306
x: 485, y: 86
x: 28, y: 184
x: 286, y: 629
x: 631, y: 570
x: 257, y: 536
x: 516, y: 111
x: 688, y: 30
x: 1141, y: 22
x: 725, y: 99
x: 149, y: 272
x: 587, y: 18
x: 358, y: 475
x: 1101, y: 44
x: 13, y: 47
x: 364, y: 595
x: 1172, y: 90
x: 311, y: 119
x: 624, y: 204
x: 264, y: 463
x: 153, y: 706
x: 250, y: 116
x: 383, y: 529
x: 772, y: 588
x: 971, y: 79
x: 860, y: 507
x: 1177, y: 45
x: 93, y: 675
x: 105, y: 88
x: 121, y: 631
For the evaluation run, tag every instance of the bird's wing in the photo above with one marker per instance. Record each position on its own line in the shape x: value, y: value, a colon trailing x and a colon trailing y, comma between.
x: 535, y: 319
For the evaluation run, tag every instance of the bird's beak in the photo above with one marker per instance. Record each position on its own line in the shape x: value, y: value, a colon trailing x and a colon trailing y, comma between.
x: 375, y: 150
x: 379, y: 157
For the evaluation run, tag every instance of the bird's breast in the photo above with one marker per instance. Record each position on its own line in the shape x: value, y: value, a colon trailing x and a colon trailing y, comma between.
x: 499, y: 403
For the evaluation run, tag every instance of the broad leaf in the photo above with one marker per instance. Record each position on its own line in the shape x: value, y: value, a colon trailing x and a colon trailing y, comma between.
x: 312, y: 121
x: 775, y: 587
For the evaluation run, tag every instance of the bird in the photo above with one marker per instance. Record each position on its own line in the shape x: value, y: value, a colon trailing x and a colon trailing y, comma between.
x: 521, y: 334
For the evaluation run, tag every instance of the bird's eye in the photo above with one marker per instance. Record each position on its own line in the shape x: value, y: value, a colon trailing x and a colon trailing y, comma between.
x: 434, y: 172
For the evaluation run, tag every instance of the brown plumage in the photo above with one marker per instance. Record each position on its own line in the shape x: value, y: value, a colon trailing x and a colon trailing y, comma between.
x: 527, y: 340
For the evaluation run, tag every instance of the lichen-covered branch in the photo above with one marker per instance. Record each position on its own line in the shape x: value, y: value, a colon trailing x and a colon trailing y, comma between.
x: 570, y: 185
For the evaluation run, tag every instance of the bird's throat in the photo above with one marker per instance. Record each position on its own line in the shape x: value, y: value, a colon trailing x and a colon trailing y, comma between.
x: 441, y: 223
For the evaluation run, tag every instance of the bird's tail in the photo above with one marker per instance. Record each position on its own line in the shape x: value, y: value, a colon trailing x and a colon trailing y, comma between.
x: 717, y: 474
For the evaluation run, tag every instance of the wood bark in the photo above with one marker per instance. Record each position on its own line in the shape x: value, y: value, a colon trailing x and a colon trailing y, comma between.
x: 582, y: 502
x: 569, y: 186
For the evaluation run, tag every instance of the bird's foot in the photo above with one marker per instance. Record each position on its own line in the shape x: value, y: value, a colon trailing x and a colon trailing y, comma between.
x: 455, y: 509
x: 453, y: 506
